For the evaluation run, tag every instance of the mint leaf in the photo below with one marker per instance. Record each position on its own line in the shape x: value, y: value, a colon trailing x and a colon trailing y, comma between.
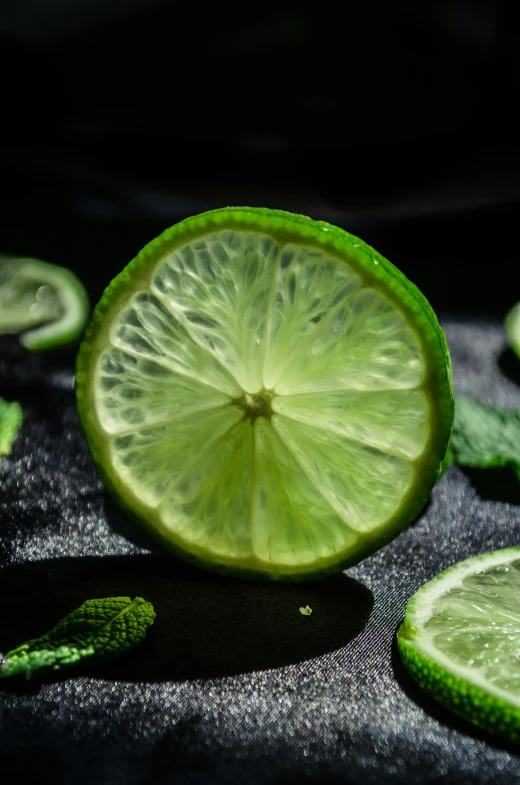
x: 98, y: 631
x: 11, y: 417
x: 485, y: 436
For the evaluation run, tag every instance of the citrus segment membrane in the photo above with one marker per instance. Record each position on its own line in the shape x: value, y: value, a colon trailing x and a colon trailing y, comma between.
x: 261, y: 400
x: 393, y: 420
x: 283, y: 499
x: 217, y: 288
x: 148, y: 329
x: 307, y: 284
x: 134, y: 390
x: 362, y: 484
x: 228, y: 313
x: 207, y: 505
x: 151, y: 459
x: 477, y: 625
x: 364, y: 343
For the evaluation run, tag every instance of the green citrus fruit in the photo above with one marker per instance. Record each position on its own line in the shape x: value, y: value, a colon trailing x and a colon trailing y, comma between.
x: 460, y: 640
x: 44, y: 302
x: 266, y: 394
x: 512, y: 327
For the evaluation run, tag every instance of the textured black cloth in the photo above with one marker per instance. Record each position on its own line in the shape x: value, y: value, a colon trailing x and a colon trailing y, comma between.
x: 233, y: 684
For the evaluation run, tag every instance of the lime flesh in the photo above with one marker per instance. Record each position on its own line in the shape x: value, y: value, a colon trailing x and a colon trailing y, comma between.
x: 461, y: 640
x: 44, y: 302
x: 265, y: 393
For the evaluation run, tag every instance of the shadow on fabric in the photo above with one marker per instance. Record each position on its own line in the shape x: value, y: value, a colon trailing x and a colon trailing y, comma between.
x: 122, y: 524
x: 495, y: 484
x: 206, y: 625
x: 509, y: 364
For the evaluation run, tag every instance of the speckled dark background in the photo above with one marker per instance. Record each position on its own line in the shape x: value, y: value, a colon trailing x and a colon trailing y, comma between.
x: 396, y: 121
x: 233, y: 684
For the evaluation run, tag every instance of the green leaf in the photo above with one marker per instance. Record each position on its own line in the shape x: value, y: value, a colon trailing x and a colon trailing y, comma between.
x: 11, y: 417
x: 98, y: 631
x: 485, y: 436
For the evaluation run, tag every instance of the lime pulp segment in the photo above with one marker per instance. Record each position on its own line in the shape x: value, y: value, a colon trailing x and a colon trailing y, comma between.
x: 461, y: 640
x: 260, y: 401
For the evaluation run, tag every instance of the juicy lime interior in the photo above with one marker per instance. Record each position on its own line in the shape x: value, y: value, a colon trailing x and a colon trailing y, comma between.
x: 260, y: 401
x: 460, y: 640
x: 25, y: 300
x: 477, y: 625
x: 44, y: 302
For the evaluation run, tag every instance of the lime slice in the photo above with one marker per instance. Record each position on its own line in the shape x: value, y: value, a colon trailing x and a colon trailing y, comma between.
x: 44, y: 302
x: 267, y: 394
x: 512, y: 327
x: 460, y: 640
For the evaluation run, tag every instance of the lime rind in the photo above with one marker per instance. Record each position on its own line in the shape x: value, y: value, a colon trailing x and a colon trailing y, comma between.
x: 44, y: 302
x: 287, y: 229
x: 419, y: 606
x: 460, y: 686
x: 512, y: 328
x: 467, y: 699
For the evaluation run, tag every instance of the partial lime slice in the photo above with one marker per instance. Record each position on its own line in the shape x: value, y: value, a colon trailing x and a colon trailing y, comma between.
x: 267, y: 394
x: 512, y: 327
x: 460, y: 640
x: 44, y: 302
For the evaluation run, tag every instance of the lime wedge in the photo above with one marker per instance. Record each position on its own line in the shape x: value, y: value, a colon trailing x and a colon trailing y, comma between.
x: 266, y: 393
x: 44, y: 302
x: 512, y: 327
x: 460, y: 640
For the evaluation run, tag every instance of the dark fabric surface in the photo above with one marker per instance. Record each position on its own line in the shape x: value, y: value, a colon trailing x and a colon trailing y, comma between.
x: 233, y: 684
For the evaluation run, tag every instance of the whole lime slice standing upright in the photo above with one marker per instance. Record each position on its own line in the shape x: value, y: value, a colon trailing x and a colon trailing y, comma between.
x: 265, y: 393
